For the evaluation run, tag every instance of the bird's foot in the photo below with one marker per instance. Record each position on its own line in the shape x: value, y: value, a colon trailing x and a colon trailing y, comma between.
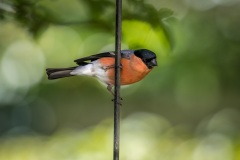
x: 119, y: 103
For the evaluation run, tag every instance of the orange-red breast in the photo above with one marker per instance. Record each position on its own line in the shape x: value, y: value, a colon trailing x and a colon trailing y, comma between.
x: 135, y: 65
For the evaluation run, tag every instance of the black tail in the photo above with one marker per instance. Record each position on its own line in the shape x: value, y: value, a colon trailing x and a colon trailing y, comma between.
x: 55, y: 73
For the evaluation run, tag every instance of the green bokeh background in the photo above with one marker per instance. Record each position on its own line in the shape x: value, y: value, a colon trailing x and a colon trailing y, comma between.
x: 187, y: 108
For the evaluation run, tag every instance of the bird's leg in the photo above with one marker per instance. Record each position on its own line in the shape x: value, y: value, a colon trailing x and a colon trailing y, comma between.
x: 109, y: 88
x: 105, y: 68
x: 110, y: 67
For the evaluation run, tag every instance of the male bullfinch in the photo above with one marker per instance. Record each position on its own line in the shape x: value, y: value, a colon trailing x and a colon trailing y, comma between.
x: 135, y: 65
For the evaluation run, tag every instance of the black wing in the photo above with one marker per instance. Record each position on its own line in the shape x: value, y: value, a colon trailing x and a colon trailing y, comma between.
x: 82, y: 61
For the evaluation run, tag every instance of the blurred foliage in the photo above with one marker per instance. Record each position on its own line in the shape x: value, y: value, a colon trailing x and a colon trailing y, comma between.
x: 187, y: 108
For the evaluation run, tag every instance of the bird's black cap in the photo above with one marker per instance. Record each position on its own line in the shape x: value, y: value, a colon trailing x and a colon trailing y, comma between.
x: 147, y: 56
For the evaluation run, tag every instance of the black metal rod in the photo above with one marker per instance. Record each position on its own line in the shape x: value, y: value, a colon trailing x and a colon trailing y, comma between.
x: 117, y: 99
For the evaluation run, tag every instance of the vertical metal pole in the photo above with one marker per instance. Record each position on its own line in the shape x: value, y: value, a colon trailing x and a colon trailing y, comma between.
x: 117, y: 99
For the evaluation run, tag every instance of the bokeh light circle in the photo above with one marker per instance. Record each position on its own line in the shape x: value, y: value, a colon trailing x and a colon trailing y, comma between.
x: 22, y: 65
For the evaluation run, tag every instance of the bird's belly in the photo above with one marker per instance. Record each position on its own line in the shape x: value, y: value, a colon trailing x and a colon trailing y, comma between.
x: 131, y: 77
x: 128, y: 76
x: 130, y: 73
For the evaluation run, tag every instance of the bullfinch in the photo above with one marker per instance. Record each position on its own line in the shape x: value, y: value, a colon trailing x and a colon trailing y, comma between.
x: 135, y: 65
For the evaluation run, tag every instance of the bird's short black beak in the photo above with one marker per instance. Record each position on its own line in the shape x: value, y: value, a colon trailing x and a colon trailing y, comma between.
x: 153, y: 62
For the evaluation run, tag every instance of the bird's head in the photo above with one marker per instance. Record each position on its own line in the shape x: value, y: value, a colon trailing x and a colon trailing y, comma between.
x: 148, y: 57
